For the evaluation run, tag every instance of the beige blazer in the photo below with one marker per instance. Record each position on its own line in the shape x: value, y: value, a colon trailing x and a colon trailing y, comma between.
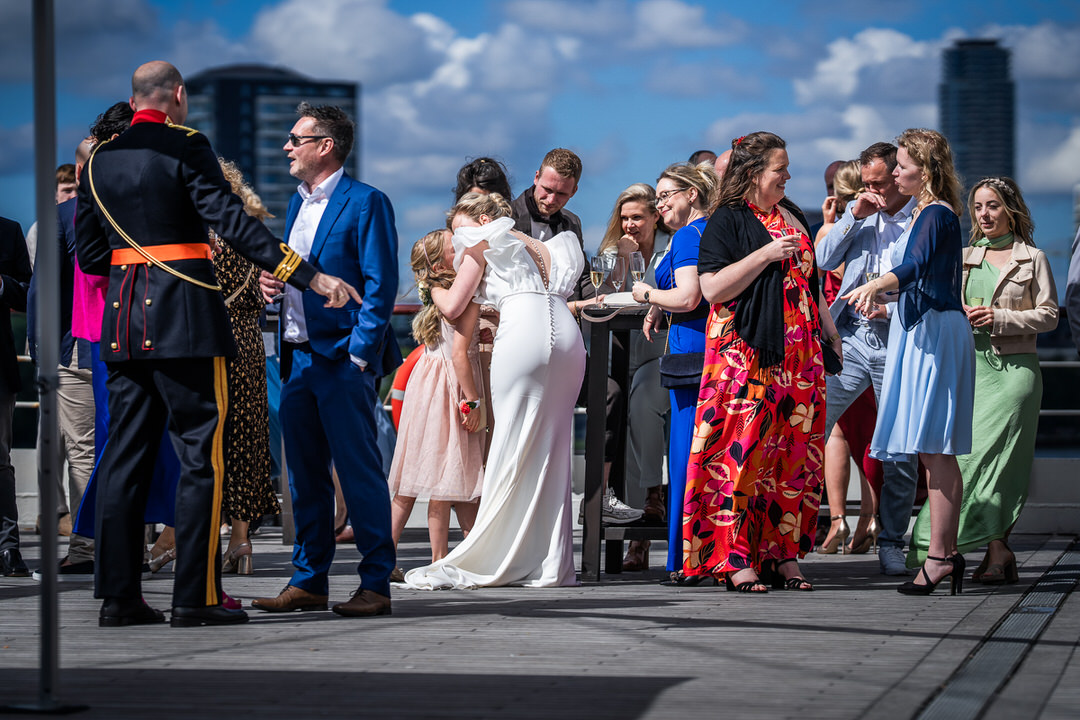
x: 1025, y: 298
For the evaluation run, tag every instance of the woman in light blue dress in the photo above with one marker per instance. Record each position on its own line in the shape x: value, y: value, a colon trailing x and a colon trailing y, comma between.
x: 927, y: 397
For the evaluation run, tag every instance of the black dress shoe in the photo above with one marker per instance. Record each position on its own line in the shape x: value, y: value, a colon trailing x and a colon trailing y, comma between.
x: 116, y: 612
x: 213, y: 615
x: 12, y: 565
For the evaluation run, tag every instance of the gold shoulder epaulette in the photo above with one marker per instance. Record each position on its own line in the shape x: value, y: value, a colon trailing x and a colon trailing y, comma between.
x: 190, y: 131
x: 288, y: 265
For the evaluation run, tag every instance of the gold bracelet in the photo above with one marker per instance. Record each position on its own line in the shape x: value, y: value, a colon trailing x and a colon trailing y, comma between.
x: 832, y: 339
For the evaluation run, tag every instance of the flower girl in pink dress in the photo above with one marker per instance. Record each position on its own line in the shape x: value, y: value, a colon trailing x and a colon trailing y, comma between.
x: 439, y: 451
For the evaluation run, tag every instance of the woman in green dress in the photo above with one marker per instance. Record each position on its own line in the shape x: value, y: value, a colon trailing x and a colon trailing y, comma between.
x: 1009, y: 298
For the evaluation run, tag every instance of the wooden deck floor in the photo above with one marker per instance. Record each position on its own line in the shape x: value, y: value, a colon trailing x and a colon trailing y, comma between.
x: 624, y: 648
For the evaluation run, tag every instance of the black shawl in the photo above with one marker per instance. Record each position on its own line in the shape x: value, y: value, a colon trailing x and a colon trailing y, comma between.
x: 733, y: 232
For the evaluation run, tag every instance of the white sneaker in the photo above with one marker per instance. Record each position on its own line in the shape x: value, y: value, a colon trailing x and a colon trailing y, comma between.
x: 618, y: 512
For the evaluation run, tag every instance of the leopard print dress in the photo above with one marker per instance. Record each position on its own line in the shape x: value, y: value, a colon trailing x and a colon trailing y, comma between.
x: 248, y: 493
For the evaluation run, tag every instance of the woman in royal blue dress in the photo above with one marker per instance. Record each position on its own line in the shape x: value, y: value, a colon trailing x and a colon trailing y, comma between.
x: 684, y: 194
x: 928, y: 392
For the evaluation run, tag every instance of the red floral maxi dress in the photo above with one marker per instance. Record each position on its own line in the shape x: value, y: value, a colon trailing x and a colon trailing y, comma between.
x: 754, y: 480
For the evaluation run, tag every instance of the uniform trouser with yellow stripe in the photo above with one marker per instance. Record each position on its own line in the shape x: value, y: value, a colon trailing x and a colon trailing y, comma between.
x: 189, y: 396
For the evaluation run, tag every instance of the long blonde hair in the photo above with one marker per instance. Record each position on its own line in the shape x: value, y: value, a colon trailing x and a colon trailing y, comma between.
x: 931, y: 152
x: 253, y: 204
x: 638, y: 192
x: 1020, y: 223
x: 430, y: 272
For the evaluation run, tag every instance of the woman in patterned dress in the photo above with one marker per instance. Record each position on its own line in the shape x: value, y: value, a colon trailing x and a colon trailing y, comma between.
x: 755, y: 472
x: 248, y: 493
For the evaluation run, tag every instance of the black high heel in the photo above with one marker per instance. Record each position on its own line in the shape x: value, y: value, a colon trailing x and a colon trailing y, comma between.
x: 956, y: 578
x: 779, y: 582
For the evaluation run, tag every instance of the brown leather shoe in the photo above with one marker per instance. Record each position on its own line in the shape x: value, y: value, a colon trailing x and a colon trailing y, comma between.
x: 365, y: 603
x: 291, y: 598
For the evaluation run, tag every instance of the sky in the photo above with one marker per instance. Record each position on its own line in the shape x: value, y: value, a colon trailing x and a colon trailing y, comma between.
x: 630, y: 85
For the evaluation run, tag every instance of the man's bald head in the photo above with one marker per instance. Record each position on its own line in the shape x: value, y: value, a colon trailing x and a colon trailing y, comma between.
x: 721, y: 163
x: 158, y: 85
x: 82, y: 154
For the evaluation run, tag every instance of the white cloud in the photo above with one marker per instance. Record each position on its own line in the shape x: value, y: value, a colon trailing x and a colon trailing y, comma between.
x: 836, y: 78
x: 677, y: 24
x: 363, y: 38
x: 1046, y: 50
x: 1057, y: 168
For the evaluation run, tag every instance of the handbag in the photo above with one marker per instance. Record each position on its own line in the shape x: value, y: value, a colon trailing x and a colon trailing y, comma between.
x: 679, y: 370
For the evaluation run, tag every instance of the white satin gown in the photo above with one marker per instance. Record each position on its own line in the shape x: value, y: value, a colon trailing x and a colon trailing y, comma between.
x: 524, y: 528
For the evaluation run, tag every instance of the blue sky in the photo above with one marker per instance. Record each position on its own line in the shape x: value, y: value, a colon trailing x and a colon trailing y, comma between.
x: 631, y: 85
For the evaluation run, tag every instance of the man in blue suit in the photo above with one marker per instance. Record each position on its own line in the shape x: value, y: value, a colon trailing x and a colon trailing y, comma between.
x: 330, y: 361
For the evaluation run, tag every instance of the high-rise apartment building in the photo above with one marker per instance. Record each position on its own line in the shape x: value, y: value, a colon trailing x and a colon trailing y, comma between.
x: 247, y: 111
x: 976, y: 103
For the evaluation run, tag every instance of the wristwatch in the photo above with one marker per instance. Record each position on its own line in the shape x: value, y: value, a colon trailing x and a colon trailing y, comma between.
x: 646, y: 296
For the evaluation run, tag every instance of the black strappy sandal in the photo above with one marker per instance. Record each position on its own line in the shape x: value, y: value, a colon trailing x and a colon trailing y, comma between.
x: 745, y: 587
x: 779, y: 582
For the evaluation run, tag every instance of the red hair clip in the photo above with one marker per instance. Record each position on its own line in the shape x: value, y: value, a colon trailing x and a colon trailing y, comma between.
x: 738, y: 142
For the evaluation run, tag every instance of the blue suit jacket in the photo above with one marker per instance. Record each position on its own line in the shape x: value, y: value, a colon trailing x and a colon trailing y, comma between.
x: 356, y: 241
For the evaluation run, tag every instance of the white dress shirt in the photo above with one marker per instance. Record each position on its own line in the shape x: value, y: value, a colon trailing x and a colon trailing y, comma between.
x: 301, y: 238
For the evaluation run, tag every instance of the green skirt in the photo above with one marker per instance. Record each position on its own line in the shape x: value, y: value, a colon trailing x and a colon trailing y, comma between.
x: 1008, y: 394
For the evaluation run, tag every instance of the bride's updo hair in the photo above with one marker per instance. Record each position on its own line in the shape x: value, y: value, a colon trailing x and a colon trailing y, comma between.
x: 474, y: 205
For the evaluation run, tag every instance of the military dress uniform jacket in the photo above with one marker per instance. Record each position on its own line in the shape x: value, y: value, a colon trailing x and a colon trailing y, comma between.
x: 162, y: 186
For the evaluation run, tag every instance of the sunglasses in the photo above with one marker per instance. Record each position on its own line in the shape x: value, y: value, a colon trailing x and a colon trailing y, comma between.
x: 295, y: 140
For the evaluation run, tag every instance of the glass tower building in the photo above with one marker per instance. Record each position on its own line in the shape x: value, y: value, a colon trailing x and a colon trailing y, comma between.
x: 248, y: 110
x: 977, y: 109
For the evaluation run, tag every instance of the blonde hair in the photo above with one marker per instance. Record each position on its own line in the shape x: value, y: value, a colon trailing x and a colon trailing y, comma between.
x: 429, y: 271
x: 638, y: 192
x: 702, y: 177
x: 847, y: 183
x: 930, y: 151
x: 474, y: 205
x: 1020, y: 223
x: 253, y: 204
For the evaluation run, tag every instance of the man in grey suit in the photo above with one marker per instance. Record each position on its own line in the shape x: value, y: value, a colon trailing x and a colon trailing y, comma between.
x: 862, y: 242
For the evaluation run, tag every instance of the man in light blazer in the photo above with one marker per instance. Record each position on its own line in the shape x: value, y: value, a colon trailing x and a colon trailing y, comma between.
x: 330, y: 361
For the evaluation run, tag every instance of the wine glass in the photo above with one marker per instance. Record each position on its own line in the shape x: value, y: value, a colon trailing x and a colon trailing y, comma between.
x: 637, y: 266
x: 871, y: 273
x: 977, y: 302
x: 618, y: 272
x: 598, y: 270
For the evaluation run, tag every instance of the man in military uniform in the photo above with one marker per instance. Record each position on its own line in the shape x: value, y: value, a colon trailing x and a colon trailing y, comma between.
x: 146, y: 199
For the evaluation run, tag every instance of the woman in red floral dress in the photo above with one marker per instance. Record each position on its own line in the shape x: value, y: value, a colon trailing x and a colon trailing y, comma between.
x: 755, y: 473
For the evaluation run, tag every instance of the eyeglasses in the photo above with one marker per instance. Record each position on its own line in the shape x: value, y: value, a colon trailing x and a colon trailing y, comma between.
x: 294, y: 139
x: 666, y: 194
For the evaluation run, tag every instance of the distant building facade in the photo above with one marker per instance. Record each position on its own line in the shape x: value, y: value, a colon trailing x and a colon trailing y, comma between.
x: 247, y: 111
x: 977, y: 109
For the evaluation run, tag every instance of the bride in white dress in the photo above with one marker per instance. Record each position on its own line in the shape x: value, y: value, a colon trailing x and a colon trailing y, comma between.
x: 523, y: 533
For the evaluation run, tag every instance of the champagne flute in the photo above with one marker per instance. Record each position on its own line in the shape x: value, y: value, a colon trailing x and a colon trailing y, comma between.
x: 871, y: 273
x: 598, y: 269
x: 637, y: 266
x: 977, y: 302
x: 618, y: 272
